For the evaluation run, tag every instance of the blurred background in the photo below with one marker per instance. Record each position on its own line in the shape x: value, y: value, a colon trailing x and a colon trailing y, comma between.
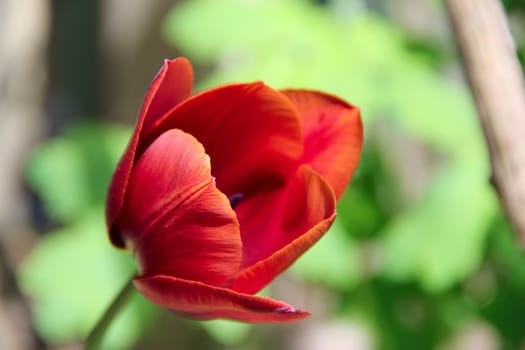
x: 420, y: 257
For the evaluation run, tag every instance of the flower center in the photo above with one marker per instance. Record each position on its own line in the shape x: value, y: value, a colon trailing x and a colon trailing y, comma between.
x: 235, y: 199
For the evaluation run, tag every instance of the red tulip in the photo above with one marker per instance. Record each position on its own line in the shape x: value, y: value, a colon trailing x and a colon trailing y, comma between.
x: 219, y: 192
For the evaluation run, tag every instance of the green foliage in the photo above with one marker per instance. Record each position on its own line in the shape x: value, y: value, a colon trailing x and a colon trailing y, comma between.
x: 71, y: 173
x: 498, y: 290
x: 451, y: 221
x: 227, y: 332
x: 333, y: 261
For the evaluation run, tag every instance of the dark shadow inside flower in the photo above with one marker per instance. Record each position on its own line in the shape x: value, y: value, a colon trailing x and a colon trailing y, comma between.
x: 235, y: 199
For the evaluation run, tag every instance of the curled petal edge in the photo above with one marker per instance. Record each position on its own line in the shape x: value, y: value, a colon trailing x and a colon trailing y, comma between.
x: 305, y: 212
x: 204, y: 302
x: 253, y: 278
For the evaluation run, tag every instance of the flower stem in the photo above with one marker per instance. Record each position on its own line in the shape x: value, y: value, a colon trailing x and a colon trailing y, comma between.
x: 97, y: 333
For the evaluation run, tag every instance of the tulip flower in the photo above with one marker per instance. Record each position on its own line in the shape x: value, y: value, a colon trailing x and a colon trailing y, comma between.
x: 219, y: 192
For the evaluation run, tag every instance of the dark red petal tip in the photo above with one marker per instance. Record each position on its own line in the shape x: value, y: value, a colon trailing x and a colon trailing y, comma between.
x: 172, y: 85
x: 204, y: 302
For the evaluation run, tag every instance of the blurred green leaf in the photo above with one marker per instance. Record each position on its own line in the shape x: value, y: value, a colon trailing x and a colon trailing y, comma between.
x: 241, y: 26
x: 505, y: 252
x: 72, y: 172
x: 441, y: 240
x: 59, y: 165
x: 227, y: 332
x: 334, y: 261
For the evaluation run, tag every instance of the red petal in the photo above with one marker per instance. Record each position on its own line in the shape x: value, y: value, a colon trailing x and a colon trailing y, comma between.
x: 174, y: 218
x: 333, y: 135
x: 251, y: 132
x: 279, y: 226
x: 172, y: 84
x: 201, y: 301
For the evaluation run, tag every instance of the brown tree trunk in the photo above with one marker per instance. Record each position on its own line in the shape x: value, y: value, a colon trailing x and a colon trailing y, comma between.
x: 496, y: 81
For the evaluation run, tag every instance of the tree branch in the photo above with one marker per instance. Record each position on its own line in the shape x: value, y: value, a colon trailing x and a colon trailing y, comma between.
x: 496, y: 81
